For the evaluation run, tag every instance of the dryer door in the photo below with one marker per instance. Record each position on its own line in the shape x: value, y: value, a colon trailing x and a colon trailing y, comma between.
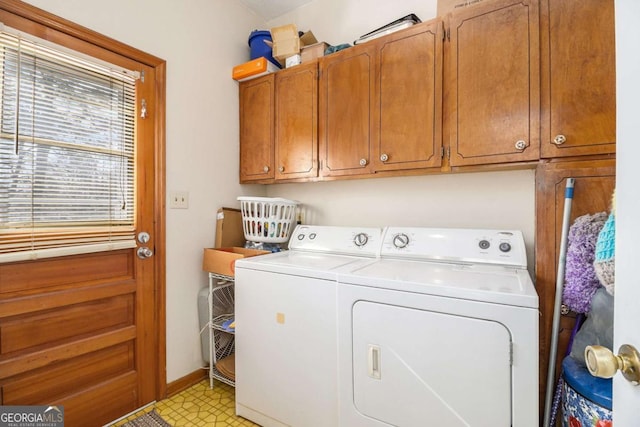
x: 417, y: 367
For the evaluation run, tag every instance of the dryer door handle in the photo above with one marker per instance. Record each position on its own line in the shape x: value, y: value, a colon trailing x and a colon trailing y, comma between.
x: 373, y: 361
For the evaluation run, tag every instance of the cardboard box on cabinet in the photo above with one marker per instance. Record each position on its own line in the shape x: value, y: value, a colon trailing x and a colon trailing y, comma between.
x: 222, y: 260
x: 287, y: 43
x: 314, y: 51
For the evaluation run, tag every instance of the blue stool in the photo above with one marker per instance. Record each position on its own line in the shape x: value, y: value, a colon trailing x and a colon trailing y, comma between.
x: 585, y: 398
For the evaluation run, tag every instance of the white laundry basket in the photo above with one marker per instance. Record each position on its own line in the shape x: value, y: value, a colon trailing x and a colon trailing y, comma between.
x: 267, y: 219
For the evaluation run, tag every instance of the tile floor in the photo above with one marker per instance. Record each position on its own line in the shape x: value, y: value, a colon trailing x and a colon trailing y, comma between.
x: 198, y: 406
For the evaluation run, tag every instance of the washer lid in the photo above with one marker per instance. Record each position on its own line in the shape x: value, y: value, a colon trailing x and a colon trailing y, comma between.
x: 308, y: 264
x: 500, y: 285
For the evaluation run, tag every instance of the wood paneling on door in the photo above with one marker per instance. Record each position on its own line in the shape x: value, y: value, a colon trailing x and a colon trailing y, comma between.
x: 87, y: 331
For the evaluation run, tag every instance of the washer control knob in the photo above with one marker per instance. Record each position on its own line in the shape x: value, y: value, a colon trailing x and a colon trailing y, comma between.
x: 360, y: 239
x: 400, y: 240
x: 312, y: 236
x: 505, y: 246
x: 484, y: 244
x: 300, y: 236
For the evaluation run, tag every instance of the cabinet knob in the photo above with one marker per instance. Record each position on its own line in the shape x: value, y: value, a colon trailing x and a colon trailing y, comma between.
x: 281, y: 169
x: 384, y: 157
x: 521, y: 145
x: 559, y: 139
x: 266, y: 169
x: 363, y: 162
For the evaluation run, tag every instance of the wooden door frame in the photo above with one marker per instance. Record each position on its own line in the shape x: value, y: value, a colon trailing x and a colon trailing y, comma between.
x: 40, y: 17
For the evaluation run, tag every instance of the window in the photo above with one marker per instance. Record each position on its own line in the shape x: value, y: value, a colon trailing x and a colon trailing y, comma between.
x: 67, y: 133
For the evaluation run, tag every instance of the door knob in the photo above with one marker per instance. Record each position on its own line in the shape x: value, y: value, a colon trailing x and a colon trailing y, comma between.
x: 144, y: 252
x: 602, y: 363
x: 363, y: 162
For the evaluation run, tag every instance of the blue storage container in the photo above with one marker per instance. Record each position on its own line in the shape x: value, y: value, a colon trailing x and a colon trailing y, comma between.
x: 259, y: 47
x: 586, y: 400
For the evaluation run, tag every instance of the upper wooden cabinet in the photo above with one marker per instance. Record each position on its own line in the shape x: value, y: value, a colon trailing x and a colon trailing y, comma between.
x: 578, y: 77
x: 381, y: 103
x: 296, y: 122
x: 256, y: 129
x: 346, y: 125
x: 278, y: 126
x: 408, y: 99
x: 492, y: 83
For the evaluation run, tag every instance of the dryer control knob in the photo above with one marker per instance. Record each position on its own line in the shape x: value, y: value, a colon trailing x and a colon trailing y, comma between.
x: 360, y: 239
x: 505, y: 246
x: 400, y: 240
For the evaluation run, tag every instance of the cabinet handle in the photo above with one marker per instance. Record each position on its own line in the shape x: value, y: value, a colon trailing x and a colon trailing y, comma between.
x: 384, y: 157
x: 281, y: 169
x: 363, y: 162
x: 521, y: 144
x: 266, y: 169
x: 559, y: 139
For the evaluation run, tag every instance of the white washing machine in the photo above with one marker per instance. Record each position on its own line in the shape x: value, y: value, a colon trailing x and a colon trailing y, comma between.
x: 286, y: 325
x: 441, y: 330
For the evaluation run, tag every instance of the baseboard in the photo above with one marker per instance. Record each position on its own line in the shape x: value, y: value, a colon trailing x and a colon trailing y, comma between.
x: 175, y: 387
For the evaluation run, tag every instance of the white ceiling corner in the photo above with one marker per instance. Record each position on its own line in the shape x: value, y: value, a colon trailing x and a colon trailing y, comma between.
x: 270, y: 9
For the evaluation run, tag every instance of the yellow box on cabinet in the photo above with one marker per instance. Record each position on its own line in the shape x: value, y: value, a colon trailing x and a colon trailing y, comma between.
x: 223, y: 260
x: 252, y: 69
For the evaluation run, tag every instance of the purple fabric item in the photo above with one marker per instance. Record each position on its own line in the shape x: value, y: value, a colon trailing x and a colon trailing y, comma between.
x: 581, y: 282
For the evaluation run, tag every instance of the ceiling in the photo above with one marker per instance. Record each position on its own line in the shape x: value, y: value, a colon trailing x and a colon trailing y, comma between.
x: 269, y: 9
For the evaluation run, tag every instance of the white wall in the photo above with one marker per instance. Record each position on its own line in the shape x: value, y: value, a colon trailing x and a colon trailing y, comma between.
x: 201, y: 40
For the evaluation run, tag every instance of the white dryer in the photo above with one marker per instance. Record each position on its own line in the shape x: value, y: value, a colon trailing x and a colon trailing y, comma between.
x: 286, y: 325
x: 441, y: 330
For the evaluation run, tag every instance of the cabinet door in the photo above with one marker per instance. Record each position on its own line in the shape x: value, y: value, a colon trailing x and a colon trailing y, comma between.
x: 409, y: 99
x: 347, y: 86
x: 297, y: 122
x: 492, y: 83
x: 595, y: 181
x: 256, y: 129
x: 578, y: 77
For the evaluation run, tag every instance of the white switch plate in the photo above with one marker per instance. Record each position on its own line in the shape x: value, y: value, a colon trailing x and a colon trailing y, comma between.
x: 179, y: 200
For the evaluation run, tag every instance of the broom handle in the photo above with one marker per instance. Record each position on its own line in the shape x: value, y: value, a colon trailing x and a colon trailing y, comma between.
x: 568, y: 199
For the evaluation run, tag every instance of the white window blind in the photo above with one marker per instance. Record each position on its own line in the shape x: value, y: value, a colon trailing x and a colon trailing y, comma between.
x: 67, y: 133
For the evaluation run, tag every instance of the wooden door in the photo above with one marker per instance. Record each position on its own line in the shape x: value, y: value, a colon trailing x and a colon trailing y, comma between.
x: 595, y: 181
x: 296, y: 122
x: 492, y: 83
x: 346, y: 122
x: 256, y: 130
x: 87, y: 331
x: 409, y: 99
x: 578, y: 78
